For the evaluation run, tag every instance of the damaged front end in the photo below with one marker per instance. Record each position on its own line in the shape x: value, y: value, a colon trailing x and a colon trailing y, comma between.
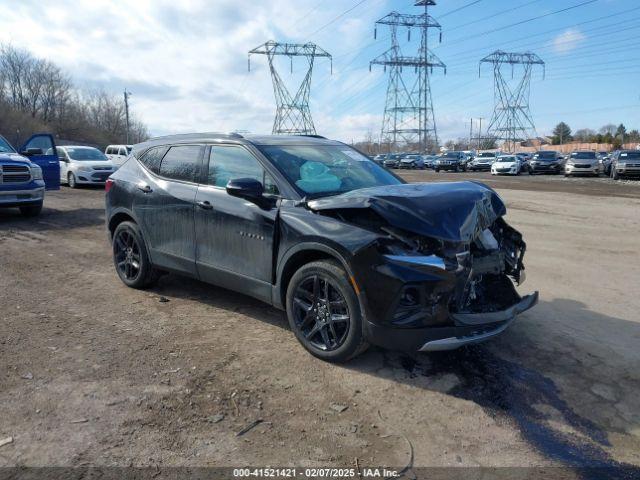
x: 442, y: 271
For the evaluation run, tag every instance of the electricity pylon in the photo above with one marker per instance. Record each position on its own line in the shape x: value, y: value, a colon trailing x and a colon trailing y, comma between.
x: 408, y: 115
x: 511, y: 120
x: 293, y: 116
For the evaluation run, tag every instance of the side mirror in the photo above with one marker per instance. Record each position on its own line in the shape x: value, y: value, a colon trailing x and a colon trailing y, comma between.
x: 31, y: 151
x: 247, y: 188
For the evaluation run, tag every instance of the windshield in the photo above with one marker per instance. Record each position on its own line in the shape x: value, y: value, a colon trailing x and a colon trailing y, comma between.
x: 584, y: 155
x: 452, y: 155
x: 546, y: 155
x: 88, y: 154
x: 319, y: 170
x: 506, y: 159
x: 5, y: 147
x: 486, y: 155
x: 633, y: 155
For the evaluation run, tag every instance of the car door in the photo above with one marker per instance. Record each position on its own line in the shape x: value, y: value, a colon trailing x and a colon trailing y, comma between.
x: 109, y: 153
x: 41, y: 150
x: 122, y: 156
x: 64, y: 164
x: 164, y: 205
x: 235, y: 237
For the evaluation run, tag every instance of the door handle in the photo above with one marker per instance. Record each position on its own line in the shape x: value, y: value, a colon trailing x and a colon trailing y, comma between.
x: 205, y: 205
x: 145, y: 188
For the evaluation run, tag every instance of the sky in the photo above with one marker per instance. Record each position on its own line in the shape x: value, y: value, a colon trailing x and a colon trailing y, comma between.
x: 185, y: 61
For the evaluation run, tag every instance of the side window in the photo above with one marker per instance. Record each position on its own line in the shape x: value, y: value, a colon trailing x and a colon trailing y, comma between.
x: 180, y: 162
x: 122, y: 151
x: 152, y: 158
x: 43, y: 142
x: 110, y: 151
x: 231, y: 162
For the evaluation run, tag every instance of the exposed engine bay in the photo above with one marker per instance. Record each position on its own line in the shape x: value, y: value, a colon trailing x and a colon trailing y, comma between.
x: 461, y: 229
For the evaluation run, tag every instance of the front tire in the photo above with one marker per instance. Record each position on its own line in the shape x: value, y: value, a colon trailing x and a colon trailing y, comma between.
x: 324, y: 312
x: 71, y: 180
x: 130, y: 257
x: 31, y: 210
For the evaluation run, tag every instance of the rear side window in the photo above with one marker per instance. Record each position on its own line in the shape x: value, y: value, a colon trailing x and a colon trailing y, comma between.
x: 180, y: 163
x: 152, y: 158
x: 110, y: 151
x: 122, y: 152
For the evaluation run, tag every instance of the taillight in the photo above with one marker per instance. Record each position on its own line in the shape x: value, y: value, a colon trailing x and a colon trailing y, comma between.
x: 107, y: 186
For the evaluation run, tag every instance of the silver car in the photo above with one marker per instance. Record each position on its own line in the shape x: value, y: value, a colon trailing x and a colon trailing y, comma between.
x: 582, y: 163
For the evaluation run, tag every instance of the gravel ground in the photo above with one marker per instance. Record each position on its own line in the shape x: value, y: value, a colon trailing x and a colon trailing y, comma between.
x: 94, y: 373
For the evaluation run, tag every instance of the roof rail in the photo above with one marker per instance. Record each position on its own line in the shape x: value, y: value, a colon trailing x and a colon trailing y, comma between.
x: 311, y: 136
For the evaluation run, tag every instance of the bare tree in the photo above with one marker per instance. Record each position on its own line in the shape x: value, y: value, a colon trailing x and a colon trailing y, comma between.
x: 37, y: 95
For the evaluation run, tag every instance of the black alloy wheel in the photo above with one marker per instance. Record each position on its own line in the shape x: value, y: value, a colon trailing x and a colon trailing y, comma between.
x: 126, y: 253
x: 324, y: 312
x: 321, y: 313
x: 130, y: 257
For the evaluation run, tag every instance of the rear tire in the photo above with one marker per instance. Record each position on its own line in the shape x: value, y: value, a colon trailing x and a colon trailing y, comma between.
x: 130, y: 257
x: 31, y: 210
x: 324, y: 312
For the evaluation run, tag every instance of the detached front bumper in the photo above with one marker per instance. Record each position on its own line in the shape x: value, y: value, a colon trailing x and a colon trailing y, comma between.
x: 491, y: 324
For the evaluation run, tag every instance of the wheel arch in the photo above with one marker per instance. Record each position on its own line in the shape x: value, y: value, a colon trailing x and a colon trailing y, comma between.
x: 298, y: 256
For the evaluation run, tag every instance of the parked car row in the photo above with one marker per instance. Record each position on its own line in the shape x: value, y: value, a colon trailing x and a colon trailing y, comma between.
x: 623, y: 163
x: 40, y: 165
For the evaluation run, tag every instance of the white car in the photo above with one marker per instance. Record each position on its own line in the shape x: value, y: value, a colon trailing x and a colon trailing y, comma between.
x: 506, y: 165
x: 83, y: 165
x: 118, y: 154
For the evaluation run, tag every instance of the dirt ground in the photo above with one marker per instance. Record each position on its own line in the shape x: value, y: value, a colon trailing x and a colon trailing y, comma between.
x: 94, y: 373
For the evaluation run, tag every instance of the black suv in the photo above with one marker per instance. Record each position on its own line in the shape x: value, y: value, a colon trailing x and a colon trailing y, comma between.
x: 547, y: 161
x: 355, y: 255
x: 455, y: 161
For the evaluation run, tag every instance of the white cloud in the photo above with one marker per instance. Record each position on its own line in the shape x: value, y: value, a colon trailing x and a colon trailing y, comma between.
x: 568, y: 40
x: 185, y: 61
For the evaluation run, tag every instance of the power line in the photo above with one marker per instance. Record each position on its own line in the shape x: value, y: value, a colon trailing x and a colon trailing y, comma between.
x: 489, y: 17
x: 337, y: 18
x: 522, y: 22
x: 309, y: 12
x: 459, y: 8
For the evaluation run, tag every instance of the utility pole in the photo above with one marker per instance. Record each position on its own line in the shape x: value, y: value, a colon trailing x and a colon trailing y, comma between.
x: 470, y: 132
x: 293, y: 115
x: 511, y: 120
x: 480, y: 132
x: 408, y: 115
x: 126, y: 111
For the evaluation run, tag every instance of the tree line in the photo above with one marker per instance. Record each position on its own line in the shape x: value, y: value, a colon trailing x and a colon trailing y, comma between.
x: 38, y: 96
x: 609, y: 133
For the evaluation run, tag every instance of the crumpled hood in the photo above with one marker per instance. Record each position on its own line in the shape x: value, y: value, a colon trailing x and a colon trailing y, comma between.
x: 452, y: 212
